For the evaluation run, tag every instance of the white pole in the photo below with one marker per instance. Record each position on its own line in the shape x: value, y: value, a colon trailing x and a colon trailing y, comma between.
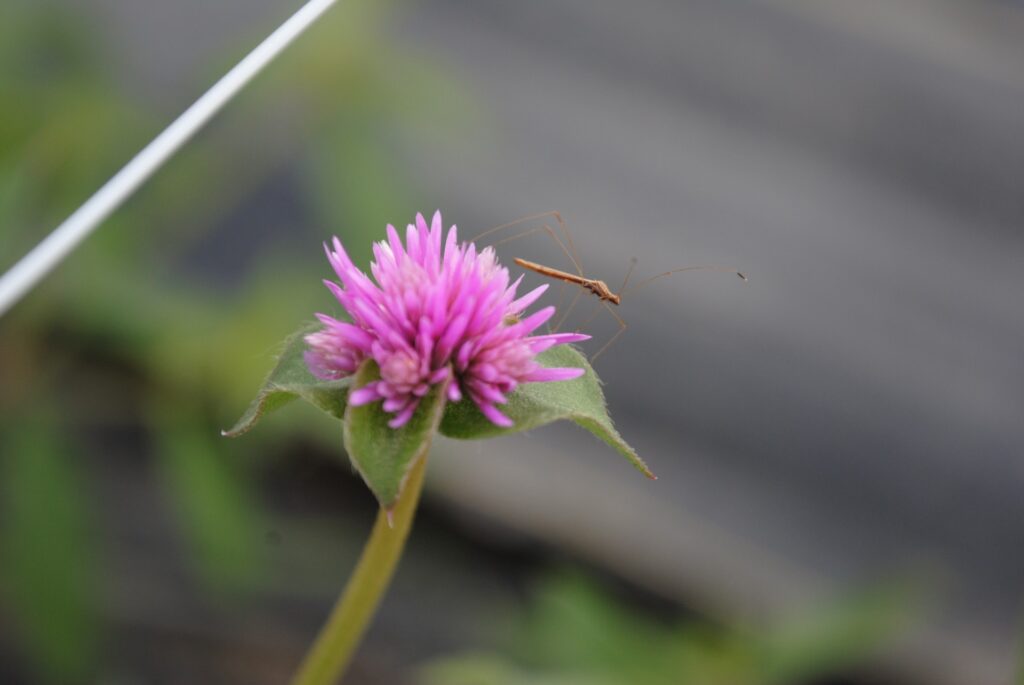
x: 46, y: 255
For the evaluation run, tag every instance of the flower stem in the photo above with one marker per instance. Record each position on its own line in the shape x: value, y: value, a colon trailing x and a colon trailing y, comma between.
x: 326, y: 660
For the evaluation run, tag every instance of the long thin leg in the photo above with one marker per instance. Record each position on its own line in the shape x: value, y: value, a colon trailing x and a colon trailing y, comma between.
x: 589, y: 319
x: 569, y: 251
x: 517, y: 222
x: 521, y: 234
x: 597, y: 310
x: 622, y: 329
x: 564, y: 242
x: 572, y: 305
x: 568, y: 239
x: 569, y: 248
x: 562, y: 285
x: 561, y: 237
x: 551, y: 234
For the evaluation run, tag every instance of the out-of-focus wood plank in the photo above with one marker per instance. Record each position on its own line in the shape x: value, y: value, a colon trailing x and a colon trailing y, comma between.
x: 856, y: 409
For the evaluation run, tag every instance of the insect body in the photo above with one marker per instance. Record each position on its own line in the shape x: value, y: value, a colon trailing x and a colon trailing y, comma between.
x: 599, y: 288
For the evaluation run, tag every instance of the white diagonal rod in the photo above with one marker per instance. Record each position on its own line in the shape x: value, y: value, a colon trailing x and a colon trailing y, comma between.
x: 20, y: 278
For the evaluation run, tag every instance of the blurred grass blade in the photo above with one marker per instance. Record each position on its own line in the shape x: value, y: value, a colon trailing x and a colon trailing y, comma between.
x: 215, y: 509
x: 835, y: 637
x: 47, y: 565
x: 574, y: 631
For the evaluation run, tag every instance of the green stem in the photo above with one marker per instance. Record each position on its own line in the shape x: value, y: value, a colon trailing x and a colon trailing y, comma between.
x: 338, y: 639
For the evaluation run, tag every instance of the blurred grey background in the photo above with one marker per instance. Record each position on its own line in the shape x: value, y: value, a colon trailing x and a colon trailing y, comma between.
x: 854, y: 413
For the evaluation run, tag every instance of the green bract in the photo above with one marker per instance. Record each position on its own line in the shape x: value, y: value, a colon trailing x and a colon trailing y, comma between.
x: 383, y: 455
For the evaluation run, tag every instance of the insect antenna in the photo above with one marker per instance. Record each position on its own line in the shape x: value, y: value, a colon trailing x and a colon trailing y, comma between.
x: 708, y: 267
x: 629, y: 272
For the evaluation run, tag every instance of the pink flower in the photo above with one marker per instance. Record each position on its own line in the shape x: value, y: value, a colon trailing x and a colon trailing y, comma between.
x: 433, y: 316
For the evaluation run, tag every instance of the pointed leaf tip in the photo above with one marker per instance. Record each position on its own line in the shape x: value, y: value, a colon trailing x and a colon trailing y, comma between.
x: 536, y: 404
x: 291, y: 379
x: 530, y: 406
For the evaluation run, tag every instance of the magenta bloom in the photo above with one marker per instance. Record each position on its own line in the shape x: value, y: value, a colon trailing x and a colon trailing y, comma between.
x: 433, y: 316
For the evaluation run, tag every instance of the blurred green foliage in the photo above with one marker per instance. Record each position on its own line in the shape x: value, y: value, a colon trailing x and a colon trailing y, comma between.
x: 48, y: 562
x: 574, y: 633
x: 212, y: 495
x: 128, y: 333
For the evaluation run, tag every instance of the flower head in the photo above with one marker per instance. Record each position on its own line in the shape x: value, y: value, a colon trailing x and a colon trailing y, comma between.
x: 435, y: 315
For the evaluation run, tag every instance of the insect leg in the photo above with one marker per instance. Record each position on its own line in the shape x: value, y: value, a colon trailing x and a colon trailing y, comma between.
x: 597, y: 310
x: 572, y: 305
x: 567, y: 235
x: 561, y: 236
x: 569, y: 248
x: 589, y: 319
x: 622, y: 329
x: 510, y: 224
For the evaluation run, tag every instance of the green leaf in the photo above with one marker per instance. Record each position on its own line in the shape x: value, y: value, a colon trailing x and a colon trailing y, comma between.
x: 530, y: 406
x: 291, y: 379
x: 537, y: 404
x: 384, y: 455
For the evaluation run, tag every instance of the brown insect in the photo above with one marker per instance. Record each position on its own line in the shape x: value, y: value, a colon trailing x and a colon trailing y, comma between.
x: 595, y: 286
x: 599, y: 288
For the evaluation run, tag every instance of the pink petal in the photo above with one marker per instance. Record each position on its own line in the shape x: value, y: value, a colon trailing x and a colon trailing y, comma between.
x: 346, y: 331
x: 396, y: 244
x: 403, y: 417
x: 318, y: 367
x: 540, y: 343
x: 451, y: 248
x: 454, y: 392
x: 393, y: 404
x: 489, y: 393
x: 412, y: 242
x: 364, y: 395
x: 530, y: 323
x: 527, y: 299
x: 495, y: 416
x: 451, y: 336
